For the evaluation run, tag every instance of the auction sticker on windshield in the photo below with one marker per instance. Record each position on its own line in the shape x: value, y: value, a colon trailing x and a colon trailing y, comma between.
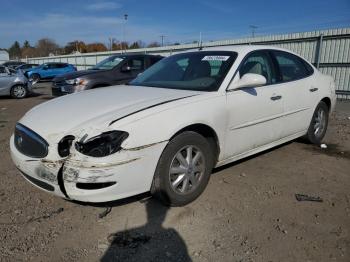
x: 215, y: 58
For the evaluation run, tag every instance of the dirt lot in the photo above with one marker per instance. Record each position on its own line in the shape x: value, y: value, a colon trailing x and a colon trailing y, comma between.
x: 247, y: 213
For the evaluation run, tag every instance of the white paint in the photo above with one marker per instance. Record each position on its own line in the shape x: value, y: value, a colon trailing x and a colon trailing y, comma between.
x: 245, y: 120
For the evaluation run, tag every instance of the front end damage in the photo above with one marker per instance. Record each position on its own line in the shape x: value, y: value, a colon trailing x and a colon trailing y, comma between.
x: 77, y: 176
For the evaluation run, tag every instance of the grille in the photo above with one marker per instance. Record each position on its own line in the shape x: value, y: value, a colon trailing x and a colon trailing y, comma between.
x: 59, y: 85
x: 30, y: 143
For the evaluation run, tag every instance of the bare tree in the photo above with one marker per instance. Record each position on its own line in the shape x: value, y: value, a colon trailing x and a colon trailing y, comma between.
x: 47, y: 46
x: 153, y: 44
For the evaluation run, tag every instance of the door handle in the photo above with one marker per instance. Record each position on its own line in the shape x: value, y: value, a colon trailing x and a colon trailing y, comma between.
x: 314, y: 89
x: 274, y: 98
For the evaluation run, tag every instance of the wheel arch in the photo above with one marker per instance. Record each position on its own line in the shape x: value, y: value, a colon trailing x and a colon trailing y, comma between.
x: 327, y: 101
x: 206, y: 131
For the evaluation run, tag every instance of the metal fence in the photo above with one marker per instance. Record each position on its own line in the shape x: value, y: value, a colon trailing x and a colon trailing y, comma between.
x: 328, y: 50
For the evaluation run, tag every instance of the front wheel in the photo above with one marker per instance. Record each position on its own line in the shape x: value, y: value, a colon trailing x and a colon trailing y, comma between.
x: 34, y: 78
x: 318, y: 126
x: 183, y: 170
x: 19, y: 91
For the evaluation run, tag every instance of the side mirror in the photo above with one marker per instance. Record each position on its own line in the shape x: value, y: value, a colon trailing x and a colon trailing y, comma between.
x: 250, y: 80
x: 125, y: 69
x: 45, y: 67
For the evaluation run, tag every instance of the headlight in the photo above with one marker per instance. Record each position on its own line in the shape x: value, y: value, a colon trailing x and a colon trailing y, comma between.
x: 71, y: 81
x: 64, y: 146
x: 77, y: 82
x: 102, y: 145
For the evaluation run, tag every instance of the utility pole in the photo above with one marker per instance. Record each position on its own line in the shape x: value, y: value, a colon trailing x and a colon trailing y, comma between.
x: 200, y: 40
x: 162, y: 37
x: 124, y: 25
x: 111, y: 41
x: 253, y: 28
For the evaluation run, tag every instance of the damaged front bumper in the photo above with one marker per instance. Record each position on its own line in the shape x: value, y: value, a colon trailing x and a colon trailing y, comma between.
x: 89, y: 179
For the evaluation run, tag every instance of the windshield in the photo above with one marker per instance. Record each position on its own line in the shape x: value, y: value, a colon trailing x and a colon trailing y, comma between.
x: 108, y: 63
x: 200, y: 71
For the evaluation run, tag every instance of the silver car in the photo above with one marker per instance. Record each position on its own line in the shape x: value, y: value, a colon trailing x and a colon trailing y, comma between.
x: 14, y: 84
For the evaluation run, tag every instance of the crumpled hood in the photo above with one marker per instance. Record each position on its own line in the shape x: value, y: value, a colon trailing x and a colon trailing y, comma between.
x: 95, y: 108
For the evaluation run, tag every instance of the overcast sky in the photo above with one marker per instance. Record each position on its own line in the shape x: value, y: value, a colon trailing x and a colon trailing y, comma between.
x: 180, y: 20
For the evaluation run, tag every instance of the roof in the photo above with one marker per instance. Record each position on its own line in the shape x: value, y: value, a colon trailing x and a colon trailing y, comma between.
x: 243, y: 48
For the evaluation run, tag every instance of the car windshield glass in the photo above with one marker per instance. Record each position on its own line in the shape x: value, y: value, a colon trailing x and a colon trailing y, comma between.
x: 201, y: 71
x: 108, y: 63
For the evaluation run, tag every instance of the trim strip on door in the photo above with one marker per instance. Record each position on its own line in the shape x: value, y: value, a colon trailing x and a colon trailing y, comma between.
x: 255, y: 122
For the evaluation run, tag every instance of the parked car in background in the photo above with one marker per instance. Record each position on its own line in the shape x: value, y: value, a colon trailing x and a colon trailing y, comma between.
x: 26, y: 67
x: 49, y: 71
x: 167, y: 129
x: 14, y: 84
x: 13, y: 64
x: 115, y: 70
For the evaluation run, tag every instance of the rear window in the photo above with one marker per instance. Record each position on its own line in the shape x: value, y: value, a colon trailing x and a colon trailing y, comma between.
x: 291, y: 66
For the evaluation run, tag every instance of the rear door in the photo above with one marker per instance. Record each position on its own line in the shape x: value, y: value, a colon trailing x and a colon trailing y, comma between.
x: 295, y: 79
x: 254, y: 113
x: 65, y: 68
x: 51, y: 70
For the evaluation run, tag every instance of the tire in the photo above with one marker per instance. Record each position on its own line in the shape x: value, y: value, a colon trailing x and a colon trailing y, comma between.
x: 318, y: 125
x: 35, y: 78
x: 19, y: 91
x: 171, y: 187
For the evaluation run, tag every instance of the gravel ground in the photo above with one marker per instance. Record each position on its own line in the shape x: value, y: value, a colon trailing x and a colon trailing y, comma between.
x: 247, y: 213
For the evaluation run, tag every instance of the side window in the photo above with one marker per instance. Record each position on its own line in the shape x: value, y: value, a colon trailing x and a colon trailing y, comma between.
x: 259, y: 63
x: 2, y: 70
x: 183, y: 63
x: 136, y: 64
x: 62, y: 65
x: 291, y: 67
x: 154, y: 60
x: 53, y: 66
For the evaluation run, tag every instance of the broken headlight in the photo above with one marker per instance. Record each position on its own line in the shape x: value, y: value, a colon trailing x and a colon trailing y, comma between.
x: 64, y: 145
x: 102, y: 145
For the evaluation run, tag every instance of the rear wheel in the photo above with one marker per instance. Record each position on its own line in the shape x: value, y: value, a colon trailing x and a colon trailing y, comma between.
x: 19, y: 91
x: 318, y: 125
x: 183, y: 170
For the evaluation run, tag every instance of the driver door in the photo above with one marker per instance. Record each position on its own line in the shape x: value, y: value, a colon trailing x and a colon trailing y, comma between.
x: 131, y: 69
x: 254, y: 113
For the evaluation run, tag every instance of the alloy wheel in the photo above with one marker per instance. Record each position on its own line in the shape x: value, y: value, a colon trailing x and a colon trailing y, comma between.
x: 187, y: 169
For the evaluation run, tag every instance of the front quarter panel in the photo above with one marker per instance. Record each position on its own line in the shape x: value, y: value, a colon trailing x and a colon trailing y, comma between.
x: 160, y: 124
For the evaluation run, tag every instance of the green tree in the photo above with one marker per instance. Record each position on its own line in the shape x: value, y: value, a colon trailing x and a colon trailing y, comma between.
x: 15, y: 51
x: 26, y: 44
x: 137, y: 44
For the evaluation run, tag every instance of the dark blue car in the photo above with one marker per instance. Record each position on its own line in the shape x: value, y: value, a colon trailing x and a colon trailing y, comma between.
x: 49, y: 70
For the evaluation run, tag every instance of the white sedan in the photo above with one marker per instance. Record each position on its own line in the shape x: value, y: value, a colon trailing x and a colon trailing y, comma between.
x: 173, y: 124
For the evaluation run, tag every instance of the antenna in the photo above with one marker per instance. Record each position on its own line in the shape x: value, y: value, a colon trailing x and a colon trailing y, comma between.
x: 200, y: 41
